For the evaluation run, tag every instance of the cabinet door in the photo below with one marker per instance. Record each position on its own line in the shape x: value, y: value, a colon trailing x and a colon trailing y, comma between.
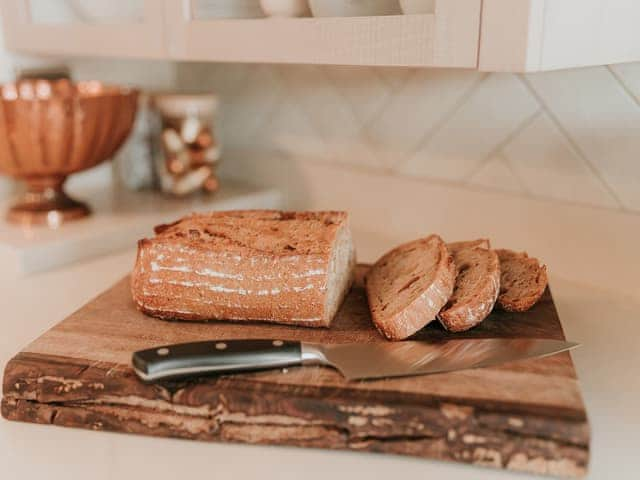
x: 123, y: 28
x: 204, y: 30
x: 536, y: 35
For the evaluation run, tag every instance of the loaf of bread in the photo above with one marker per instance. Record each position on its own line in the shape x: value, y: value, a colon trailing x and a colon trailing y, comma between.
x: 286, y: 267
x: 476, y: 288
x: 523, y: 280
x: 409, y: 285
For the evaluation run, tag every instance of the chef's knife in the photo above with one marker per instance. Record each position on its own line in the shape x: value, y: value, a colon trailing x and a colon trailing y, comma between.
x: 353, y: 360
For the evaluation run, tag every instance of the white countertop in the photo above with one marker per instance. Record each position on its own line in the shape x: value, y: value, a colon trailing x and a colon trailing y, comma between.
x: 119, y: 218
x: 607, y: 325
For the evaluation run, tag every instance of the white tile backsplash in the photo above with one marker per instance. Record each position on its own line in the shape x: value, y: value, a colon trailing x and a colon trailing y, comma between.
x: 474, y: 131
x: 330, y: 114
x: 569, y: 135
x: 290, y: 132
x: 629, y: 76
x: 597, y: 114
x: 365, y: 92
x: 249, y: 109
x: 152, y: 74
x: 548, y: 166
x: 498, y: 174
x: 414, y: 110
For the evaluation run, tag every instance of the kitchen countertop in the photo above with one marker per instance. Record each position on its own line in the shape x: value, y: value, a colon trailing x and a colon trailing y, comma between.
x: 606, y: 323
x: 120, y: 217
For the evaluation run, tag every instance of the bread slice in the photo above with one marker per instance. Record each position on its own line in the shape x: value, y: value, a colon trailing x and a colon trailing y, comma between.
x: 522, y: 281
x: 476, y: 288
x: 455, y: 247
x: 408, y: 286
x: 286, y: 267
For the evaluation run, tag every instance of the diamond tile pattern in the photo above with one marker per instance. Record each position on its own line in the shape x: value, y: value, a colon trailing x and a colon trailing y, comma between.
x: 496, y: 172
x: 474, y: 130
x: 415, y: 109
x: 567, y: 136
x: 602, y: 120
x: 329, y: 113
x: 548, y: 166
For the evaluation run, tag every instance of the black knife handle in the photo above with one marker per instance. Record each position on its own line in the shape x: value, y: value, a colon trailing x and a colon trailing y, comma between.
x: 211, y: 357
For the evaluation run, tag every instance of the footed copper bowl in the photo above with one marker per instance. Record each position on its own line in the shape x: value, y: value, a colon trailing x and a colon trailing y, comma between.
x: 51, y: 129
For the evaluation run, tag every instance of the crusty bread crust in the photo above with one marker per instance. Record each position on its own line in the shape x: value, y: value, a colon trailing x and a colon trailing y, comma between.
x: 455, y: 247
x: 260, y: 265
x: 476, y: 290
x: 188, y: 317
x: 523, y: 280
x: 409, y: 285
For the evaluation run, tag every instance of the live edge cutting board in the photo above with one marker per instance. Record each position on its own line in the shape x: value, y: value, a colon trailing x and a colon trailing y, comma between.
x: 525, y: 415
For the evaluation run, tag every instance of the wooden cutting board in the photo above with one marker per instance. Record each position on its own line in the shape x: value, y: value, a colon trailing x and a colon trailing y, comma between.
x: 526, y: 415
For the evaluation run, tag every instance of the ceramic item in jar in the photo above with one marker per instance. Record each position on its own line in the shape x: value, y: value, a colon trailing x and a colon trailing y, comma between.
x: 50, y: 129
x: 189, y: 152
x: 353, y: 8
x: 285, y: 8
x: 417, y: 7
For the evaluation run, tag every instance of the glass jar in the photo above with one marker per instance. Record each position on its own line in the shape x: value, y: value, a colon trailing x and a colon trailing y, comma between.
x: 188, y: 151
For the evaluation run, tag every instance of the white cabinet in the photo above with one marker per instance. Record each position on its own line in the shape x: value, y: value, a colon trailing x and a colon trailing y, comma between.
x: 535, y: 35
x: 490, y: 35
x: 118, y: 28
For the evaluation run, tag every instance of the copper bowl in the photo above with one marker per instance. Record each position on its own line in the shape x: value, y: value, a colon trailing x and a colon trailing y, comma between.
x: 51, y: 129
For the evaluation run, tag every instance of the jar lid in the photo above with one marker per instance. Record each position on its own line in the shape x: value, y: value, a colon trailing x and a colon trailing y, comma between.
x: 180, y: 105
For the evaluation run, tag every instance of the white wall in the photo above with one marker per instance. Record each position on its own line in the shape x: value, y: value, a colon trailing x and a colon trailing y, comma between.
x: 570, y: 136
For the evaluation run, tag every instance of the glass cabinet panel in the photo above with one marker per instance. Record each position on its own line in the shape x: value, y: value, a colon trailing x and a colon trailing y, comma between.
x: 86, y: 11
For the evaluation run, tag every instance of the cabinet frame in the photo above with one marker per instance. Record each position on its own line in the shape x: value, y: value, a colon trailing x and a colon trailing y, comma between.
x: 446, y: 38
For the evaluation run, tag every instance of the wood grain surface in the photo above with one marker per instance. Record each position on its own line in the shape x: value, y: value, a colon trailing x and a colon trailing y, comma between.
x: 526, y: 415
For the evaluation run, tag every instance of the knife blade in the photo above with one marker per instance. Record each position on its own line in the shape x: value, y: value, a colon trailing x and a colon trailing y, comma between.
x: 354, y: 361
